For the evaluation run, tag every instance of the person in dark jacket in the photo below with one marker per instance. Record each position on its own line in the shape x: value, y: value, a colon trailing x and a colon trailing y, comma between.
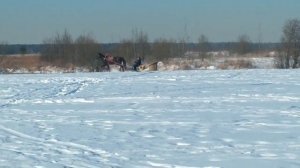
x: 137, y: 63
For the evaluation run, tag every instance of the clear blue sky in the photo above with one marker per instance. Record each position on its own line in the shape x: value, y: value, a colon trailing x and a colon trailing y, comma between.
x: 31, y: 21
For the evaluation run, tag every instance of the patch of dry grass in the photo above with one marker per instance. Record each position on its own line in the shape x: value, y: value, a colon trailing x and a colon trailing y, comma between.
x: 31, y: 62
x: 236, y: 64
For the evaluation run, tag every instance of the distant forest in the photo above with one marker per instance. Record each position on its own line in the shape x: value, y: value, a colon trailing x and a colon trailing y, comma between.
x: 11, y: 49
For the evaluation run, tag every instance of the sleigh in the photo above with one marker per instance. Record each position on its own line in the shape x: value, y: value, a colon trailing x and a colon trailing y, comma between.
x: 148, y: 67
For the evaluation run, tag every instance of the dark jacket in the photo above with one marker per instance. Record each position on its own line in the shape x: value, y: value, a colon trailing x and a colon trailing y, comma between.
x: 137, y: 63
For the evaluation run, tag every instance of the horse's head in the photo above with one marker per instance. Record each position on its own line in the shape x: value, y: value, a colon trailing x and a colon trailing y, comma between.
x: 101, y: 55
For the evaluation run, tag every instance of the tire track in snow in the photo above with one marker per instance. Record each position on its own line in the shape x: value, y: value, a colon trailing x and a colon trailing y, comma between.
x: 47, y: 91
x: 72, y: 88
x: 60, y: 146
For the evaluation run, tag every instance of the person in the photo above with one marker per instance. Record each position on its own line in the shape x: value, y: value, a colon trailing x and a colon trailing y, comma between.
x: 137, y: 63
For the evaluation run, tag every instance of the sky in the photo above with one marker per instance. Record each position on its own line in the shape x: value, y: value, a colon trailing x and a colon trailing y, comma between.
x: 32, y: 21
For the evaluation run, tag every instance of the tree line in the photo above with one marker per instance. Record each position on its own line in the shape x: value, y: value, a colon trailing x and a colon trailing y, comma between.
x: 63, y: 50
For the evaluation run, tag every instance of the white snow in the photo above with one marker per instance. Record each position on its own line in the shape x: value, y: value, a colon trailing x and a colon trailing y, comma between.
x: 180, y: 119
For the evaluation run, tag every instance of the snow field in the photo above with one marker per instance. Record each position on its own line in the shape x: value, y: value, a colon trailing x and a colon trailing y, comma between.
x: 181, y: 119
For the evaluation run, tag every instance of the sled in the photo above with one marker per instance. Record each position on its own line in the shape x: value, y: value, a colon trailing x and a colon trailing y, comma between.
x: 148, y: 67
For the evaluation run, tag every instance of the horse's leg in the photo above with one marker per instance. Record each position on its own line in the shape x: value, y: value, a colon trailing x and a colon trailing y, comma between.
x: 124, y: 64
x: 108, y: 68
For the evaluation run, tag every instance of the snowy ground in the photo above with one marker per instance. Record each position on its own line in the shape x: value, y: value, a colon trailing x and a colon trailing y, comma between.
x: 180, y: 119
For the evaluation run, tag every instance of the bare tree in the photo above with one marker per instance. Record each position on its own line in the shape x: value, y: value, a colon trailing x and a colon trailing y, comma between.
x: 161, y: 50
x: 182, y: 47
x: 141, y: 44
x: 291, y: 43
x: 67, y: 51
x: 203, y: 46
x: 86, y: 48
x: 280, y: 59
x: 244, y: 44
x: 126, y: 49
x: 59, y: 49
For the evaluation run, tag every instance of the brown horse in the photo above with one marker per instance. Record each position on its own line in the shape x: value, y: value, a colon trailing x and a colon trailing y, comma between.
x: 103, y: 62
x: 120, y: 61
